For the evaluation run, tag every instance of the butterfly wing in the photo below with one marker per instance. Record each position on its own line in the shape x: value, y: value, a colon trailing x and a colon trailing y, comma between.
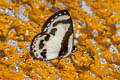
x: 41, y: 48
x: 60, y: 26
x: 56, y: 38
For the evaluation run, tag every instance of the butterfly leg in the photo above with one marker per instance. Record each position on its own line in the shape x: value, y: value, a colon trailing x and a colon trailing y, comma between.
x: 44, y: 59
x: 74, y: 49
x: 59, y: 60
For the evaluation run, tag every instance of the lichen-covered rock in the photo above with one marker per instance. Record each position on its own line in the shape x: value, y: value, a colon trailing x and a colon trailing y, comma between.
x: 96, y: 31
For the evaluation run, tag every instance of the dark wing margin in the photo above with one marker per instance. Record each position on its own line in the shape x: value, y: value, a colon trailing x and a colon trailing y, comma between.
x: 48, y: 21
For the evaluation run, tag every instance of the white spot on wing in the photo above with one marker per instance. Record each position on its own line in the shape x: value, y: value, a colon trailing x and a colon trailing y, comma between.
x: 48, y: 24
x: 52, y: 20
x: 38, y: 36
x: 32, y: 46
x: 64, y: 12
x: 60, y: 14
x: 45, y: 29
x: 56, y: 16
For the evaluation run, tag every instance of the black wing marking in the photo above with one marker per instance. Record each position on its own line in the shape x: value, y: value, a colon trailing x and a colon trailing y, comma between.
x: 65, y: 40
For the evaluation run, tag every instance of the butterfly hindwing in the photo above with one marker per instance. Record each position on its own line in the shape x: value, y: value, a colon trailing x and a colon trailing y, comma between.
x: 56, y: 38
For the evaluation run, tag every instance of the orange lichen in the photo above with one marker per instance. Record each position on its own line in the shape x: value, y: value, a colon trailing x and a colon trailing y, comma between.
x: 95, y: 29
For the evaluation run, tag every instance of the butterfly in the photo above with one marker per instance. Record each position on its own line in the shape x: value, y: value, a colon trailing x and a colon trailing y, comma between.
x: 56, y: 38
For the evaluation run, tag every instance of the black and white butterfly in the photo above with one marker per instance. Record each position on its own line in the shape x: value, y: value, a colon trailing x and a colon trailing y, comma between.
x: 56, y: 38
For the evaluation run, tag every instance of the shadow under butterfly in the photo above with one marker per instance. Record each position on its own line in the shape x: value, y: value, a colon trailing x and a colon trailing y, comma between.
x: 55, y: 40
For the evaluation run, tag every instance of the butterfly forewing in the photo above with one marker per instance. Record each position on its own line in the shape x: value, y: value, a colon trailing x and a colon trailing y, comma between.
x: 56, y: 38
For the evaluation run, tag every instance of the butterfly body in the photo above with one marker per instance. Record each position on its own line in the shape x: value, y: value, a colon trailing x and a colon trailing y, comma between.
x: 56, y: 38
